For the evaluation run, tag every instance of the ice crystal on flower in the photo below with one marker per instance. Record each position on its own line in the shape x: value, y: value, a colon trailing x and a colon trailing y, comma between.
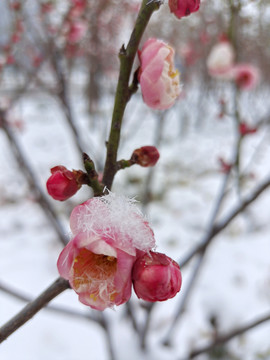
x: 115, y: 218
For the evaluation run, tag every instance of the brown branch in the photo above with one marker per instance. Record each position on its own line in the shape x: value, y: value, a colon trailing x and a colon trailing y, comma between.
x: 200, y: 250
x: 222, y: 224
x: 123, y: 91
x: 32, y: 180
x: 51, y: 308
x: 221, y: 339
x: 32, y: 308
x: 64, y: 98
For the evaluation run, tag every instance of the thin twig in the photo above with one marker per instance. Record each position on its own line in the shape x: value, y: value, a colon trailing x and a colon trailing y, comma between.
x: 32, y: 180
x: 221, y: 339
x: 222, y: 224
x: 199, y: 261
x: 52, y: 308
x: 108, y: 335
x: 201, y: 249
x: 157, y: 141
x: 32, y: 308
x: 123, y: 92
x: 63, y: 95
x: 149, y: 310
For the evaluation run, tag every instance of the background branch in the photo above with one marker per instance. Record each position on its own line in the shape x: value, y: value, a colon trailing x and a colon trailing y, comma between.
x: 32, y: 180
x: 230, y: 335
x: 32, y: 308
x: 123, y: 92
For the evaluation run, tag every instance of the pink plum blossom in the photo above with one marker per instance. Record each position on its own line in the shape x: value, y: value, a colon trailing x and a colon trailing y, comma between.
x: 156, y: 277
x: 109, y: 232
x: 246, y: 76
x: 182, y: 8
x: 158, y: 78
x: 220, y: 61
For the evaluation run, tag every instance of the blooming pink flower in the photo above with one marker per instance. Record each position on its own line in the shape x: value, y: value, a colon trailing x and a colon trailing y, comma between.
x: 156, y: 277
x: 246, y: 76
x: 62, y: 184
x: 158, y: 78
x: 182, y: 8
x: 221, y: 60
x: 109, y: 232
x: 145, y: 156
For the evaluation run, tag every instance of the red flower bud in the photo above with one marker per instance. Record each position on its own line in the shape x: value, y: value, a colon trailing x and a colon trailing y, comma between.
x: 145, y: 156
x: 156, y: 277
x: 225, y: 167
x: 62, y: 184
x: 182, y: 8
x: 245, y: 129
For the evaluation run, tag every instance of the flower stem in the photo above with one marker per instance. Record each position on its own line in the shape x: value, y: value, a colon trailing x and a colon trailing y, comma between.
x: 123, y: 91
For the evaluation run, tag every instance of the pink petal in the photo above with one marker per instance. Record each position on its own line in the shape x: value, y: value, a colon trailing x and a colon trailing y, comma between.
x: 65, y: 260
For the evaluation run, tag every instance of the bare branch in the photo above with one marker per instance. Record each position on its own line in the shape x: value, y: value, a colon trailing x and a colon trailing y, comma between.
x: 52, y: 308
x: 200, y: 250
x: 226, y: 337
x: 32, y: 308
x: 122, y: 96
x: 32, y: 180
x: 222, y: 224
x: 63, y: 96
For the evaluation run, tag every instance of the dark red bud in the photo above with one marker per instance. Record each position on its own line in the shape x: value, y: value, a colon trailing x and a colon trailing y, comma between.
x: 156, y: 277
x: 145, y: 156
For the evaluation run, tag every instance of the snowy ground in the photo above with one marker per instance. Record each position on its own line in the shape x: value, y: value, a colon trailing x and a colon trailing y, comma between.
x: 234, y: 284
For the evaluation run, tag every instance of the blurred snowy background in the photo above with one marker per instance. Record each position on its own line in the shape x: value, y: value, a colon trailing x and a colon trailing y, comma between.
x: 51, y: 76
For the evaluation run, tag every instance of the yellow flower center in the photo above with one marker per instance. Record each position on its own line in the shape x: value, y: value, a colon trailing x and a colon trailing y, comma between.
x: 94, y: 273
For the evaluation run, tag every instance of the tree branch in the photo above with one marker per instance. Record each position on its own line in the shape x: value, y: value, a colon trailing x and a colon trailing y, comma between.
x: 52, y: 308
x: 226, y: 337
x: 123, y: 92
x: 31, y: 178
x: 222, y: 224
x: 32, y: 308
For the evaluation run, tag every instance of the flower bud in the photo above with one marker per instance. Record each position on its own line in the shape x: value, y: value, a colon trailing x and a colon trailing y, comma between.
x: 245, y: 129
x: 159, y: 80
x: 246, y: 76
x: 182, y: 8
x: 156, y: 277
x: 62, y: 184
x: 145, y: 156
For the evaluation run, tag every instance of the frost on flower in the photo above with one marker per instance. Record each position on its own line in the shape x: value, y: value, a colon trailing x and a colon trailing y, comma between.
x: 116, y: 219
x: 109, y: 232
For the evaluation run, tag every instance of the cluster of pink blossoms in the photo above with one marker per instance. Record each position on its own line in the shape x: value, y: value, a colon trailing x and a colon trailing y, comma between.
x: 111, y: 249
x: 221, y: 65
x: 113, y: 244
